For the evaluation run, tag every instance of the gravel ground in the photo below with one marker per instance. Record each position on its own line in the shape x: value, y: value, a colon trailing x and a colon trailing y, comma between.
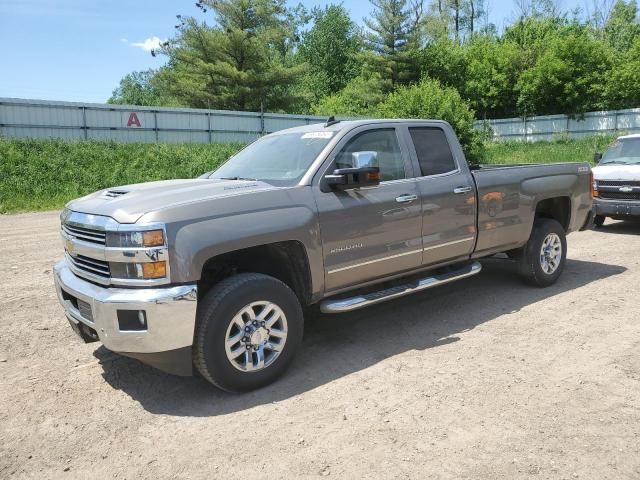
x: 483, y: 378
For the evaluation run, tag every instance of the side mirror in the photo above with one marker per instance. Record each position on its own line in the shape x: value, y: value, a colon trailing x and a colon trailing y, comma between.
x: 363, y: 173
x: 597, y: 157
x: 364, y: 159
x: 350, y: 178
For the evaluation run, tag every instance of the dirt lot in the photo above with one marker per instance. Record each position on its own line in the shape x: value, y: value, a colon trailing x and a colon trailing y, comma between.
x: 485, y: 378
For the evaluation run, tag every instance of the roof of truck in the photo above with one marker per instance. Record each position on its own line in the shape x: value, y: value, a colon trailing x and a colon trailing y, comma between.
x: 343, y: 124
x: 633, y: 135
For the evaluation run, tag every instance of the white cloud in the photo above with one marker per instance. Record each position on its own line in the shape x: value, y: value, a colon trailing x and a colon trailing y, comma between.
x: 149, y: 44
x: 124, y: 40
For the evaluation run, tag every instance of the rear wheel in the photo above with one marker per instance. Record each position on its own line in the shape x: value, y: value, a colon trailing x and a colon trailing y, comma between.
x: 249, y: 328
x: 543, y: 258
x: 598, y: 220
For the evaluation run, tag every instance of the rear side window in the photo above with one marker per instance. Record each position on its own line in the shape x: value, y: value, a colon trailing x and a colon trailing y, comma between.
x: 432, y: 148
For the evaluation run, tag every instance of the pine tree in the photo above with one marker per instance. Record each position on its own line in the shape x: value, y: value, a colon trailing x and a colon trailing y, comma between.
x: 239, y: 63
x: 393, y: 38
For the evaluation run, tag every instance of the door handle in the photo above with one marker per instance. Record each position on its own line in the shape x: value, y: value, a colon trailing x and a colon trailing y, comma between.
x: 462, y: 190
x: 406, y: 198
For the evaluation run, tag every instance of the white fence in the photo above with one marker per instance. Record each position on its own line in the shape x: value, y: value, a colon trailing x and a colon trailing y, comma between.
x: 126, y: 123
x: 552, y: 126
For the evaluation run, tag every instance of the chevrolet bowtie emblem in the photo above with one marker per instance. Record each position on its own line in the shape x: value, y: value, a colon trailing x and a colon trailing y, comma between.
x: 625, y: 189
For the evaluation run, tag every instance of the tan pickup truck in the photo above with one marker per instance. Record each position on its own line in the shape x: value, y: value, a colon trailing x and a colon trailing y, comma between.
x: 214, y: 272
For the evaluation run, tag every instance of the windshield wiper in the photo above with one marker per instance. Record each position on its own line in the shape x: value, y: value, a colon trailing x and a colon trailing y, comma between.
x: 616, y: 162
x: 239, y: 178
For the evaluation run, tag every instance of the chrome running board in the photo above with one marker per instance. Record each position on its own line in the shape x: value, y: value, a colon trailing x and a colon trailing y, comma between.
x: 359, y: 301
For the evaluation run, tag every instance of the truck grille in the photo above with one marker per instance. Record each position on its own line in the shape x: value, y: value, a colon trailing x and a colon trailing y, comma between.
x: 90, y: 265
x: 620, y: 196
x: 85, y: 234
x: 618, y: 183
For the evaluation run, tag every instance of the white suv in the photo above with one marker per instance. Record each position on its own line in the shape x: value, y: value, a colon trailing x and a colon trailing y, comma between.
x: 617, y: 181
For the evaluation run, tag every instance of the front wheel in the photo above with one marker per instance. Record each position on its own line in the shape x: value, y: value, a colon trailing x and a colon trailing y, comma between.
x: 543, y: 257
x: 248, y: 330
x: 598, y: 220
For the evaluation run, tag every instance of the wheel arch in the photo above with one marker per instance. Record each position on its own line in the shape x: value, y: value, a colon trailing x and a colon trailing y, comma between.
x: 286, y: 260
x: 556, y: 208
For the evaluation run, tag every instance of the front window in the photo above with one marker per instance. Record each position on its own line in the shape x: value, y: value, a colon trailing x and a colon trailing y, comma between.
x: 280, y: 159
x: 384, y: 143
x: 624, y: 151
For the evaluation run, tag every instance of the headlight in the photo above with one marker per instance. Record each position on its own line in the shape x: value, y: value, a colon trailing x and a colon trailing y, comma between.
x: 142, y: 271
x: 149, y: 238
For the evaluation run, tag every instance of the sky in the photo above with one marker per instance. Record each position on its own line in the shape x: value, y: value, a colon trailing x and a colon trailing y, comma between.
x: 78, y: 50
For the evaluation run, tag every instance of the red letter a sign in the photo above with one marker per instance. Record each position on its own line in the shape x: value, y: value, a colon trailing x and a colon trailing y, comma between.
x: 133, y: 120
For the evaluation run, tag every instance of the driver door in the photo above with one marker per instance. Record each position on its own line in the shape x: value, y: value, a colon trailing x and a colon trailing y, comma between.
x: 374, y: 232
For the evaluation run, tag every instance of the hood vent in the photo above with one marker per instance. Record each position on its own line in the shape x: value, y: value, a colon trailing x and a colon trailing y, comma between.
x: 114, y: 193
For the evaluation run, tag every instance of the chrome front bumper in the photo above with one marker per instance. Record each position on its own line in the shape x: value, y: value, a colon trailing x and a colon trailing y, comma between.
x: 170, y: 313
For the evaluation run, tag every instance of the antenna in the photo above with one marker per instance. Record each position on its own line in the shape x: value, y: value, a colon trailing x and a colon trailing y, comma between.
x: 331, y: 121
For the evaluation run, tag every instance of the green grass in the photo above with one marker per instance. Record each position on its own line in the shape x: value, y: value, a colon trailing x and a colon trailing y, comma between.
x: 581, y: 150
x: 45, y: 174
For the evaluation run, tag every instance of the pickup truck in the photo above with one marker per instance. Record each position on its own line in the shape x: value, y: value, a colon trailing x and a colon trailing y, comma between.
x: 216, y: 272
x: 617, y: 181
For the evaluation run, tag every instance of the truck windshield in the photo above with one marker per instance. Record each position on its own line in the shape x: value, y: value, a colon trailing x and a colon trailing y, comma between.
x: 624, y: 151
x: 280, y: 159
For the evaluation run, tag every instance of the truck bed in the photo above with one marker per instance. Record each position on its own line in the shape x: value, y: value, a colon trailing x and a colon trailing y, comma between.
x: 508, y: 195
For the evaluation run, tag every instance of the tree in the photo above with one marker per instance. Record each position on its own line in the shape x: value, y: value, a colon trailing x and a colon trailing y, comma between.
x: 429, y: 99
x: 436, y: 21
x: 622, y: 27
x: 472, y: 12
x: 239, y: 63
x: 446, y: 61
x: 537, y: 8
x: 569, y: 77
x: 456, y: 7
x: 598, y: 13
x: 139, y: 88
x: 393, y: 40
x: 330, y: 48
x: 623, y: 87
x: 492, y: 71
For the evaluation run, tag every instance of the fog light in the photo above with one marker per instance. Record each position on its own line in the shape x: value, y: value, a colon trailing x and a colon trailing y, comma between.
x: 154, y: 270
x: 132, y: 320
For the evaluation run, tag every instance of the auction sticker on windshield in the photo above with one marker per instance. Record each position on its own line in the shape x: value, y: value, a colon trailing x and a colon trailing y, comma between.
x: 318, y: 135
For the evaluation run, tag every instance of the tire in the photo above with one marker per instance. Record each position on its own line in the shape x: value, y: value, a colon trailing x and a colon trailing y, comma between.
x: 234, y: 302
x: 538, y: 269
x: 598, y: 220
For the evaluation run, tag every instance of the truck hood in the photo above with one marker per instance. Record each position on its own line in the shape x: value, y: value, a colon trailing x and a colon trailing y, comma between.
x: 617, y: 172
x: 128, y: 203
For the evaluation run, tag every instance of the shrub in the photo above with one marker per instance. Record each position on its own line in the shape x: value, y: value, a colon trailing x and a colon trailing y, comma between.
x: 358, y: 98
x: 429, y: 99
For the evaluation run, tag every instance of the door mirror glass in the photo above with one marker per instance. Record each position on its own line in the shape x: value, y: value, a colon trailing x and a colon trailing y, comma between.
x: 597, y: 157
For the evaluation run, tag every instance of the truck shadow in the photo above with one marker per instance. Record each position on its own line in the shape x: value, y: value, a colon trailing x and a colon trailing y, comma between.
x: 339, y: 345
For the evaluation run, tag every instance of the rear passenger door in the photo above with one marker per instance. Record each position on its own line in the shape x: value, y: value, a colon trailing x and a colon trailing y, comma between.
x: 447, y: 193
